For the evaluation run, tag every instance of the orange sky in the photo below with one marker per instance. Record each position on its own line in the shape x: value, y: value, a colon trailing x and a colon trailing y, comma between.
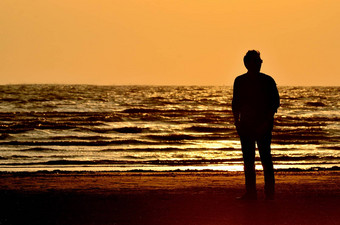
x: 167, y: 42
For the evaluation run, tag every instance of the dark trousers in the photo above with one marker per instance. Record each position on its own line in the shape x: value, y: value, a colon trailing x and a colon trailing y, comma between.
x: 248, y: 150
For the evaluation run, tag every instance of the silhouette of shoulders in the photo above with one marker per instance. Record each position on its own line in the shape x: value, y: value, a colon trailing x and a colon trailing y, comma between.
x: 254, y: 94
x: 260, y: 77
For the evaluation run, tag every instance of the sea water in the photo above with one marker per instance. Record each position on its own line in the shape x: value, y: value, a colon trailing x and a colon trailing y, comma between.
x: 123, y: 128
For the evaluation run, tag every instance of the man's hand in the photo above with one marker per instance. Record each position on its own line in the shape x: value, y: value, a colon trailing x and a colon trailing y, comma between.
x: 237, y: 123
x: 238, y: 127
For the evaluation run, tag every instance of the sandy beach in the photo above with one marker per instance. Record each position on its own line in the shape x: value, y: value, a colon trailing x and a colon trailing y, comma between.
x: 166, y: 198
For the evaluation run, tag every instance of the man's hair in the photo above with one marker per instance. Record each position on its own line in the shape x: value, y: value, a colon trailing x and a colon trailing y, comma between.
x: 251, y: 54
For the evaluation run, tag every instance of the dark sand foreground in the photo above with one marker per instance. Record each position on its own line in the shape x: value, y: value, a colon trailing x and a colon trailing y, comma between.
x: 166, y: 198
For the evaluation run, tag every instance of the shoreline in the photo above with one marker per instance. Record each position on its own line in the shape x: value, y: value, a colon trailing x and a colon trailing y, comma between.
x: 51, y: 171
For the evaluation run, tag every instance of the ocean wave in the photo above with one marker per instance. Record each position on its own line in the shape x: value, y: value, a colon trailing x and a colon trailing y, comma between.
x: 126, y: 162
x: 130, y: 129
x: 297, y: 119
x: 190, y: 137
x: 21, y: 127
x: 5, y: 130
x: 295, y: 142
x: 315, y: 104
x: 299, y: 123
x: 209, y: 129
x: 5, y: 136
x: 172, y: 137
x: 118, y: 130
x: 330, y: 147
x: 177, y: 111
x: 72, y: 137
x: 17, y: 157
x: 303, y: 160
x: 88, y: 170
x: 141, y: 110
x: 79, y: 143
x: 10, y: 99
x: 39, y: 149
x: 168, y: 149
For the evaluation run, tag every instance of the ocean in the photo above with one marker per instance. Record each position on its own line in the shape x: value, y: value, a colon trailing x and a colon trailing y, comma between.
x: 157, y: 128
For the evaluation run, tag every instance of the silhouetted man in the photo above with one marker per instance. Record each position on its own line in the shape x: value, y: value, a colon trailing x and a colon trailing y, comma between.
x: 255, y: 101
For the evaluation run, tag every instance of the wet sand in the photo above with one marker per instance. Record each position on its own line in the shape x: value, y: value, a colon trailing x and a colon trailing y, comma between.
x: 166, y: 198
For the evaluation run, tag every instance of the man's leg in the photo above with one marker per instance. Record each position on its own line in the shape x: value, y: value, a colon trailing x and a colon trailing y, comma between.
x: 248, y: 150
x: 267, y: 163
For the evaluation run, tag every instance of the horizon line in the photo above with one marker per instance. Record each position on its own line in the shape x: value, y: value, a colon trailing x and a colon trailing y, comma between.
x: 202, y: 85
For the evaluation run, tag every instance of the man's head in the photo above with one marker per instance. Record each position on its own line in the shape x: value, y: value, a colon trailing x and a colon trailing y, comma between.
x: 253, y: 61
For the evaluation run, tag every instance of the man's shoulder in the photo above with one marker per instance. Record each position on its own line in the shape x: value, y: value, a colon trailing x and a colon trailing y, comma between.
x: 241, y: 77
x: 267, y: 77
x: 264, y: 77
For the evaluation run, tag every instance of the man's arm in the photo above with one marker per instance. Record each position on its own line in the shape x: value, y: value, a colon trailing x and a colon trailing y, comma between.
x: 275, y: 98
x: 236, y: 102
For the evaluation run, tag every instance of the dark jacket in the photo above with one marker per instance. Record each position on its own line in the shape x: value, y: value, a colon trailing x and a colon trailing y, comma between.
x: 255, y: 99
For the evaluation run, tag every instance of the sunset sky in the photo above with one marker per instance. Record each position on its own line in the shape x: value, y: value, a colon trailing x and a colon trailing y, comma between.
x: 167, y: 42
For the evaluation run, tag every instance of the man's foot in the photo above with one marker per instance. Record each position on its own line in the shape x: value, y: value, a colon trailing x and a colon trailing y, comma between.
x: 248, y: 196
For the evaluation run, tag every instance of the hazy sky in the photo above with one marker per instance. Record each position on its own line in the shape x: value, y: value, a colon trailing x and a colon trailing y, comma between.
x: 168, y: 42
